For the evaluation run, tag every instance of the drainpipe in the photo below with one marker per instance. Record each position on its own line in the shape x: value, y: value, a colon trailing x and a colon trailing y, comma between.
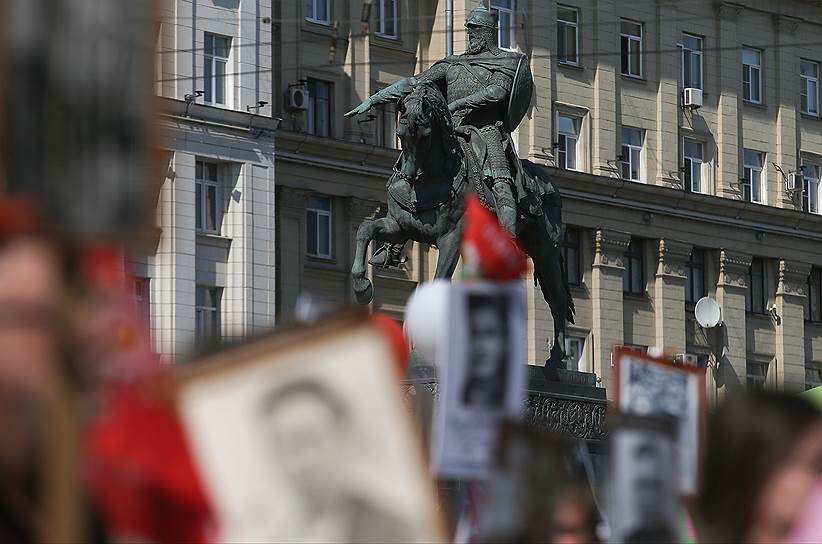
x: 449, y: 27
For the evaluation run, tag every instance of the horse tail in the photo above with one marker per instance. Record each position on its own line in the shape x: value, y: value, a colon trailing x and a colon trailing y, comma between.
x: 570, y: 310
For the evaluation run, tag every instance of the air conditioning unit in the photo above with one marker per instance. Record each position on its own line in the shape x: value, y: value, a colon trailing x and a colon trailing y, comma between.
x: 297, y: 98
x: 692, y: 98
x: 686, y: 359
x: 793, y: 181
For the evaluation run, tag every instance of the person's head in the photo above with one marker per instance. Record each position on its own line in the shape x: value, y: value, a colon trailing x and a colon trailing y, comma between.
x: 304, y: 424
x: 481, y: 26
x: 488, y: 327
x: 575, y: 515
x: 764, y: 453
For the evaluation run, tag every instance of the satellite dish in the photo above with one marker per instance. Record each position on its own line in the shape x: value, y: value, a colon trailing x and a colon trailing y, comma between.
x: 708, y: 313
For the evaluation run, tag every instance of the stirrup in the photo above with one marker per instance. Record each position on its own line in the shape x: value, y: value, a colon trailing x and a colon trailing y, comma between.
x: 385, y: 258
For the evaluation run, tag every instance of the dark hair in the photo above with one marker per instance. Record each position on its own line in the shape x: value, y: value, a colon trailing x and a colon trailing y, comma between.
x: 498, y: 303
x: 277, y: 396
x: 748, y: 437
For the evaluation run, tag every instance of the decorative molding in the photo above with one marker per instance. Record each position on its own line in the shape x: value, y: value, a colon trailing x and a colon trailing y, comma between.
x: 610, y: 247
x: 733, y: 269
x: 292, y: 198
x: 576, y: 418
x: 786, y: 23
x: 360, y: 208
x: 672, y: 257
x: 793, y: 278
x: 728, y: 11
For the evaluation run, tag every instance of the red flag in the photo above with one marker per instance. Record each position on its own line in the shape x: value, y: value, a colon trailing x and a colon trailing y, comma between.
x: 396, y: 336
x: 489, y: 251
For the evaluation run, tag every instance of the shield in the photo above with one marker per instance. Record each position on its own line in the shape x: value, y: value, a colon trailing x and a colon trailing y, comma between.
x: 521, y: 92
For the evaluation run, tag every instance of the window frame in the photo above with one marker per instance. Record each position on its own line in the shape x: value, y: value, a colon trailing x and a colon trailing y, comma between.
x: 625, y: 52
x: 813, y: 302
x: 811, y: 197
x: 572, y: 254
x: 202, y: 184
x: 813, y: 366
x: 210, y: 63
x: 201, y: 310
x: 749, y: 70
x: 803, y: 87
x: 695, y: 269
x: 562, y: 25
x: 688, y: 164
x: 631, y: 148
x: 693, y: 52
x: 381, y: 19
x: 566, y: 136
x: 634, y: 259
x: 580, y: 341
x: 320, y: 212
x: 140, y: 293
x: 312, y: 17
x: 748, y: 171
x: 751, y: 303
x: 511, y: 29
x: 752, y: 378
x: 311, y: 112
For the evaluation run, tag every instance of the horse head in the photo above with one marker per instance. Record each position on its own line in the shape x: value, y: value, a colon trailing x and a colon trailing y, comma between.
x: 426, y: 131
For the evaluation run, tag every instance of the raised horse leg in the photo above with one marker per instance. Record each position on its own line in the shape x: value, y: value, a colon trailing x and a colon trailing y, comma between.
x: 383, y: 229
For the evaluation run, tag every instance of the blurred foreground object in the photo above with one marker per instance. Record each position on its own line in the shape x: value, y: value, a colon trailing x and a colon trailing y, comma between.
x: 488, y: 249
x: 304, y: 436
x: 77, y: 110
x: 426, y: 316
x: 764, y: 456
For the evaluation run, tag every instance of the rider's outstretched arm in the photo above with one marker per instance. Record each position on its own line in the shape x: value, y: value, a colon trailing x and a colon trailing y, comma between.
x: 395, y: 92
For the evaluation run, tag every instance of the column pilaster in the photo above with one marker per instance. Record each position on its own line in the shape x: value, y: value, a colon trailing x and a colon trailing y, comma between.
x: 730, y: 294
x: 791, y: 292
x: 669, y: 294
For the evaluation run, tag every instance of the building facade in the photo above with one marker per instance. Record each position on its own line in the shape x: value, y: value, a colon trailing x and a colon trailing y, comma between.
x: 211, y: 275
x: 685, y: 137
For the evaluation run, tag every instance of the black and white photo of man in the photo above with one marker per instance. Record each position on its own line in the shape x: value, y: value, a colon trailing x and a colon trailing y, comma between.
x: 485, y: 374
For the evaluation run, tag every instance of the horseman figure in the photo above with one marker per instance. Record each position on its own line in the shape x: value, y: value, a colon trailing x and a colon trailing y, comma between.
x: 488, y: 92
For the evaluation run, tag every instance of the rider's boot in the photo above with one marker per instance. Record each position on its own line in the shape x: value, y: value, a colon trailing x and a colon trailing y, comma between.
x: 387, y: 256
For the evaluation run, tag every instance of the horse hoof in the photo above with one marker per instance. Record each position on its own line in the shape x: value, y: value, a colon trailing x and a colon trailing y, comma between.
x: 365, y: 294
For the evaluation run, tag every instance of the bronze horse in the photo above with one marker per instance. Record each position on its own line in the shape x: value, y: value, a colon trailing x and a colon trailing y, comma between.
x: 426, y: 203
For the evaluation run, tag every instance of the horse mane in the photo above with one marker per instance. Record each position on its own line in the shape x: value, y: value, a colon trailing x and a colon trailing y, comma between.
x: 431, y: 94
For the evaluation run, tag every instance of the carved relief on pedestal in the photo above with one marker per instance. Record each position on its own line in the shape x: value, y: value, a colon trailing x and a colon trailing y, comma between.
x: 610, y: 247
x: 733, y: 269
x: 576, y: 418
x: 672, y: 257
x: 793, y: 278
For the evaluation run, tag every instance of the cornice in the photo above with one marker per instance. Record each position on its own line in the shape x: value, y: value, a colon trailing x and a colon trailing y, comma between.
x: 610, y: 247
x: 793, y: 278
x: 733, y: 268
x: 672, y: 256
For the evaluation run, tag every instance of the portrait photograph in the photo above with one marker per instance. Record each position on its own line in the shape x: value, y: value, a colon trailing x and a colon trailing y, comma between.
x: 650, y: 386
x: 484, y: 377
x: 310, y: 442
x: 644, y: 497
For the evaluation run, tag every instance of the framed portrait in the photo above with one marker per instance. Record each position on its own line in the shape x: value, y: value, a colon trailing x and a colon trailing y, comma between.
x: 305, y: 437
x: 484, y: 375
x: 652, y: 386
x: 644, y: 504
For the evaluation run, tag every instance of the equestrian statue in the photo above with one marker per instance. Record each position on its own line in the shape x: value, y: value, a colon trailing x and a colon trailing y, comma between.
x: 455, y: 124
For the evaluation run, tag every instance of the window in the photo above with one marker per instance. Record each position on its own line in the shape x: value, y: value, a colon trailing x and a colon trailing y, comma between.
x: 756, y: 373
x: 753, y: 187
x: 139, y: 291
x: 631, y: 153
x: 694, y: 154
x: 691, y: 61
x: 810, y: 189
x: 504, y: 10
x: 318, y: 11
x: 319, y: 107
x: 567, y: 35
x: 813, y: 304
x: 207, y: 309
x: 752, y: 75
x: 387, y: 127
x: 633, y: 278
x: 386, y: 11
x: 206, y: 197
x: 813, y: 375
x: 809, y: 86
x: 568, y: 141
x: 631, y: 47
x: 318, y: 218
x: 695, y: 276
x: 216, y: 59
x: 575, y: 353
x: 756, y: 294
x: 571, y: 255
